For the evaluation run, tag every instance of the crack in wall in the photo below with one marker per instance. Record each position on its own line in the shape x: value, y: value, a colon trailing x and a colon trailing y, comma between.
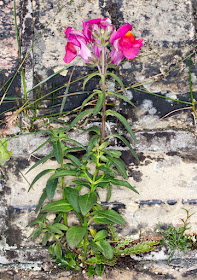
x: 194, y: 7
x: 26, y: 45
x: 112, y: 8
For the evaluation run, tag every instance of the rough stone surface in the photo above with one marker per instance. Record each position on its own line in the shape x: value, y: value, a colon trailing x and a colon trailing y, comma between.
x: 166, y: 132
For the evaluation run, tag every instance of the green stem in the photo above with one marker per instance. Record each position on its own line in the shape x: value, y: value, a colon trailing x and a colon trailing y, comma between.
x: 95, y: 172
x: 64, y: 197
x: 85, y: 245
x: 103, y: 91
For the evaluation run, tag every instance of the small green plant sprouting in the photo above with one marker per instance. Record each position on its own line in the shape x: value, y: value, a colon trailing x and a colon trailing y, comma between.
x: 176, y: 238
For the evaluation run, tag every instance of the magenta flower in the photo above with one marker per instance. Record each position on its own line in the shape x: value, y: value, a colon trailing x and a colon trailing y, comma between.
x: 76, y: 46
x: 116, y: 57
x: 94, y: 26
x: 124, y: 43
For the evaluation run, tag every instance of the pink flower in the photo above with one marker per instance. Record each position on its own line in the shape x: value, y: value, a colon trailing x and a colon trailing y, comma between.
x: 94, y: 26
x: 124, y: 42
x: 116, y: 57
x: 76, y: 46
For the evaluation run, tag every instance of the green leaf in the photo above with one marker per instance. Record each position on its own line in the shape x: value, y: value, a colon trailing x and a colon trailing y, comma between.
x: 108, y: 217
x: 109, y: 189
x: 99, y: 268
x: 42, y: 173
x: 112, y: 153
x: 102, y: 234
x: 116, y: 78
x: 126, y: 143
x: 41, y: 200
x: 123, y: 183
x: 46, y: 238
x: 90, y: 77
x: 62, y: 173
x: 123, y: 120
x: 54, y: 229
x: 120, y: 165
x: 109, y: 171
x: 81, y: 183
x: 73, y: 198
x: 86, y: 202
x: 74, y: 235
x: 99, y: 104
x: 57, y: 151
x: 91, y: 270
x: 95, y: 129
x: 58, y: 250
x: 60, y: 226
x: 92, y: 143
x: 43, y: 144
x: 43, y: 160
x: 87, y: 99
x: 80, y: 116
x: 58, y: 206
x: 105, y: 248
x: 4, y: 154
x: 74, y: 160
x: 36, y: 233
x: 122, y: 97
x: 51, y: 187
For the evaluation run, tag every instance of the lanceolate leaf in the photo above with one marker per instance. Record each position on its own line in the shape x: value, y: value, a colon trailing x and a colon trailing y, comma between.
x: 46, y: 238
x: 58, y: 206
x: 74, y: 235
x: 62, y: 173
x: 101, y: 98
x: 123, y: 183
x: 126, y: 143
x: 81, y: 183
x: 60, y: 226
x: 86, y: 202
x: 87, y: 99
x: 42, y: 173
x: 123, y: 120
x: 90, y: 77
x: 122, y: 97
x: 74, y: 160
x: 41, y: 200
x: 80, y: 116
x: 108, y: 217
x: 109, y: 188
x: 112, y: 153
x: 116, y: 78
x: 57, y: 151
x: 120, y: 166
x: 95, y: 129
x: 51, y: 187
x: 44, y: 159
x: 54, y: 229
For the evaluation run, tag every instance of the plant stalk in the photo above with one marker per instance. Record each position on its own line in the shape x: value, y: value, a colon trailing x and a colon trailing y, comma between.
x: 85, y: 245
x: 103, y: 91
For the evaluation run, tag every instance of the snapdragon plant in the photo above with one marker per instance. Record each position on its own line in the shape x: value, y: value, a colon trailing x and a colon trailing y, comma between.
x: 98, y: 168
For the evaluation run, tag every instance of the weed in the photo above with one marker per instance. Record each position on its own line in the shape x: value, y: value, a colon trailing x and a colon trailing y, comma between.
x: 176, y: 238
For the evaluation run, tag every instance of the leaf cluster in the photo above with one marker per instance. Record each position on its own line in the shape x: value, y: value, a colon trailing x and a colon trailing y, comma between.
x: 176, y: 238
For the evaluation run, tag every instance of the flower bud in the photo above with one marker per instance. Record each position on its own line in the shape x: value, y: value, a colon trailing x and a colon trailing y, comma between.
x: 108, y: 31
x: 96, y: 34
x: 93, y: 59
